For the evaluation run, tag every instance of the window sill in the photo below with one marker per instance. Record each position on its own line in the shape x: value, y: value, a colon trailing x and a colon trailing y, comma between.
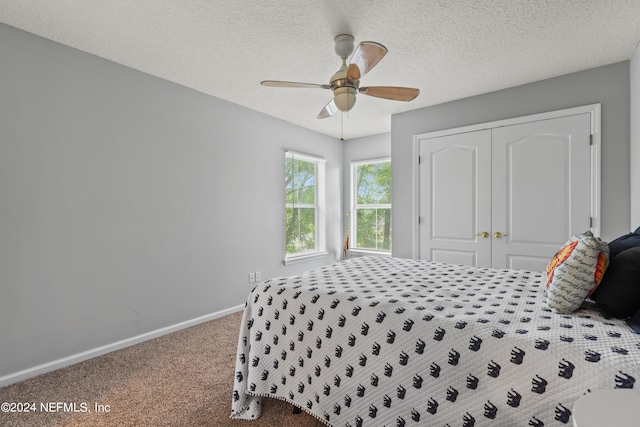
x: 305, y: 257
x: 364, y: 252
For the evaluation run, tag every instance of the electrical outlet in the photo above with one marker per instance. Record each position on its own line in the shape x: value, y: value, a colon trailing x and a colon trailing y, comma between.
x: 252, y: 277
x: 257, y: 276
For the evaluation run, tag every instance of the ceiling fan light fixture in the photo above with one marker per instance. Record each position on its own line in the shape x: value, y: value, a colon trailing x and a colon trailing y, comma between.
x: 344, y: 98
x: 345, y: 83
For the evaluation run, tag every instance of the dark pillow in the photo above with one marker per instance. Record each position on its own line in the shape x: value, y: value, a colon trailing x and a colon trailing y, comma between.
x: 622, y: 243
x: 619, y: 292
x: 634, y: 321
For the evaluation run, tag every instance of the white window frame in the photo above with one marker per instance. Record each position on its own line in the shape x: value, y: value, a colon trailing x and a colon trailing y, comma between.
x: 354, y: 250
x: 320, y: 207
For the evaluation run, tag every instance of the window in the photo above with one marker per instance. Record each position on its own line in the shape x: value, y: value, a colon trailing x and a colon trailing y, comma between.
x: 371, y: 202
x: 304, y: 206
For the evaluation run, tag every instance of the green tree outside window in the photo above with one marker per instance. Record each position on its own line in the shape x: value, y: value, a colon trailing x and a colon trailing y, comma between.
x: 301, y: 207
x: 372, y: 205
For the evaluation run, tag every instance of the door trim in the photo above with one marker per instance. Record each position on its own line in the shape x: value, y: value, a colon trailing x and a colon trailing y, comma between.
x: 593, y: 109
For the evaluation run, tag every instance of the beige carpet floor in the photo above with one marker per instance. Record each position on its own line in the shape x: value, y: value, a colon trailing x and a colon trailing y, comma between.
x: 181, y: 379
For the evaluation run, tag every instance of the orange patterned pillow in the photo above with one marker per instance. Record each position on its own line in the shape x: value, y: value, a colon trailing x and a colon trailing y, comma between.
x: 575, y: 271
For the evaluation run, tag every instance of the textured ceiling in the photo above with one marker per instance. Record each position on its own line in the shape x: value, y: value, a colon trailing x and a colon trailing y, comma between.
x: 449, y: 49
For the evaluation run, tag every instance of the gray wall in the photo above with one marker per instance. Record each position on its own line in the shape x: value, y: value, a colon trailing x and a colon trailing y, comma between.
x: 129, y: 204
x: 608, y: 85
x: 635, y: 139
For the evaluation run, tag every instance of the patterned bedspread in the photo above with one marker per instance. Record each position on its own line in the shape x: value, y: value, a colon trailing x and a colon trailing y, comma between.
x: 380, y: 341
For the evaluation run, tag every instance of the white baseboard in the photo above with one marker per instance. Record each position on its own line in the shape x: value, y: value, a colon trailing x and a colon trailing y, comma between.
x: 86, y: 355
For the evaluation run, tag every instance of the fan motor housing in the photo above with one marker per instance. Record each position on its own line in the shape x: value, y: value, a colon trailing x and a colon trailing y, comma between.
x: 340, y: 79
x: 344, y: 89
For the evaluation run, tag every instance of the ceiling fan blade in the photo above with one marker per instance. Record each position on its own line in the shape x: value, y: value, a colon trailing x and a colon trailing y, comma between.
x: 366, y: 56
x: 277, y: 83
x: 391, y: 92
x: 329, y: 110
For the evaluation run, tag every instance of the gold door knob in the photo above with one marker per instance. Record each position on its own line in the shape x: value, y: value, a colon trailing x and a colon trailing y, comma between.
x: 484, y: 234
x: 498, y: 235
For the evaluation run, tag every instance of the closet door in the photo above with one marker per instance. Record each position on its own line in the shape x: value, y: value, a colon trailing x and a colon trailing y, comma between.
x: 541, y: 189
x: 505, y: 197
x: 455, y: 199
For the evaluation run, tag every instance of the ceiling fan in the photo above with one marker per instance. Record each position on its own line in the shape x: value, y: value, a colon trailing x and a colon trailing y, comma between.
x: 345, y: 83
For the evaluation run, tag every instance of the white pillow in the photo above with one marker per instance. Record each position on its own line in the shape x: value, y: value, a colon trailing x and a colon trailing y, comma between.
x: 575, y: 271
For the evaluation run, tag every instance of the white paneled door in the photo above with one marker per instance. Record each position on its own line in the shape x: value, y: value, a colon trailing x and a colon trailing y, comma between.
x: 508, y: 196
x: 455, y: 198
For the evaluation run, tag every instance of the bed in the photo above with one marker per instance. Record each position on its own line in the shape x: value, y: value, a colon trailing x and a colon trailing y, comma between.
x: 383, y: 341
